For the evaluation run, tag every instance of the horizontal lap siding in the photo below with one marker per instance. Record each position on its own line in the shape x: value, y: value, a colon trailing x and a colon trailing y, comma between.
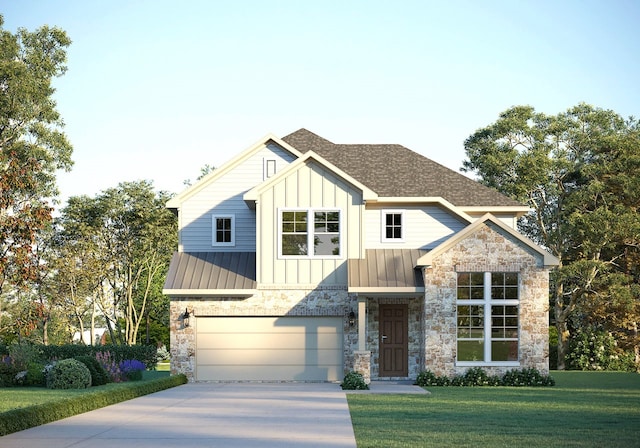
x: 224, y: 196
x: 424, y: 227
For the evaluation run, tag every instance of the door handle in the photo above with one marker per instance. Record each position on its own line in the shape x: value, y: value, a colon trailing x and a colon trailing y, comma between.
x: 384, y: 337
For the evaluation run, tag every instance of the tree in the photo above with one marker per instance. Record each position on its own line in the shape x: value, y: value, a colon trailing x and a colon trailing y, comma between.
x: 206, y: 169
x: 562, y: 166
x: 32, y: 147
x: 126, y: 236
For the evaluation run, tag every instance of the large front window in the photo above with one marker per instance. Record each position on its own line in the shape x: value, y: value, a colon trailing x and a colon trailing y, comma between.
x: 310, y: 233
x: 487, y: 311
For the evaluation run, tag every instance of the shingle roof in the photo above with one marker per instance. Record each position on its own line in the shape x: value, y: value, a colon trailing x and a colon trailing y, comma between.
x: 395, y: 171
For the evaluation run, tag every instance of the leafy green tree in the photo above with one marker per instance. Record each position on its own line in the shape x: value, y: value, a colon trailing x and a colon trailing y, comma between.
x: 127, y: 236
x: 32, y: 148
x: 205, y: 170
x: 571, y: 169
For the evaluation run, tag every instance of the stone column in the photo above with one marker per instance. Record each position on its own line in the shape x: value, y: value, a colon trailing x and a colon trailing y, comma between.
x: 362, y: 364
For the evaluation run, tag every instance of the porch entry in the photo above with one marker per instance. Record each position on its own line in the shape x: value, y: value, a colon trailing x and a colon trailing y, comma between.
x: 393, y: 340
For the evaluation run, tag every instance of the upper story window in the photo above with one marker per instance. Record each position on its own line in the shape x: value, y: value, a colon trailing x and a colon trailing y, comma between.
x: 269, y: 168
x: 224, y: 233
x: 392, y: 222
x: 310, y: 233
x: 487, y: 313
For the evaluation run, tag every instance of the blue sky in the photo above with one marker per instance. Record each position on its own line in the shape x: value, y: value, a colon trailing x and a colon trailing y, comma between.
x: 157, y: 89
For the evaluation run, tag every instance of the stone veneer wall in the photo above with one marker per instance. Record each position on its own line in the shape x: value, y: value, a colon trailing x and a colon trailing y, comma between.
x: 274, y: 301
x: 486, y: 250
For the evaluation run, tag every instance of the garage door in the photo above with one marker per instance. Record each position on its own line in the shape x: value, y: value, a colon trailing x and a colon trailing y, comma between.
x: 269, y: 349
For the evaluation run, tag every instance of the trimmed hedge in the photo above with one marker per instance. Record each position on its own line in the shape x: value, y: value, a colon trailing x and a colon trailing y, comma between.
x: 25, y: 418
x: 119, y: 353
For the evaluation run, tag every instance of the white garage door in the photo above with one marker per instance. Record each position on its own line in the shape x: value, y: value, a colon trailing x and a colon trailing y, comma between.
x: 269, y: 349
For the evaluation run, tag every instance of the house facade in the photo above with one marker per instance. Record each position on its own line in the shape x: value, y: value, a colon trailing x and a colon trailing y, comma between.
x: 302, y: 260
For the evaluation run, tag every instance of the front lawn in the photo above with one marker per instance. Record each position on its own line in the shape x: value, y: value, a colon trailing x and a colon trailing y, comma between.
x: 22, y: 397
x: 22, y: 408
x: 584, y: 409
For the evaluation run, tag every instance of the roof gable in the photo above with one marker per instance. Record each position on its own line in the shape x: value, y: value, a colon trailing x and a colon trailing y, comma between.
x: 228, y: 166
x: 548, y: 259
x: 252, y: 195
x: 395, y: 171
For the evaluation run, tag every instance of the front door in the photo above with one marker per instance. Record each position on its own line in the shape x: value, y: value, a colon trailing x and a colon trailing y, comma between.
x: 393, y: 340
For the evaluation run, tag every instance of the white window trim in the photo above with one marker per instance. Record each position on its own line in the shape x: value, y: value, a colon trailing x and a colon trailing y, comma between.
x: 230, y: 216
x: 265, y: 168
x: 383, y: 225
x: 310, y: 212
x: 487, y: 303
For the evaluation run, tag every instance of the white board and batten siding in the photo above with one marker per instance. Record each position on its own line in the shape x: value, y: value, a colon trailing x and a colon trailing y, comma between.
x: 223, y: 197
x: 310, y: 186
x: 423, y: 227
x: 269, y: 349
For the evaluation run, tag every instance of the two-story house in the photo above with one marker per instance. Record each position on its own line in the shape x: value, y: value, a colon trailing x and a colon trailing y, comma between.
x: 302, y: 260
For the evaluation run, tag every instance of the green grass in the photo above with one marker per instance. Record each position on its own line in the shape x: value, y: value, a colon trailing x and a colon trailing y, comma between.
x: 163, y: 366
x: 22, y: 397
x: 584, y: 409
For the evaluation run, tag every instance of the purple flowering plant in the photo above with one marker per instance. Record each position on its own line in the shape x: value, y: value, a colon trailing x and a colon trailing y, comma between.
x: 132, y: 369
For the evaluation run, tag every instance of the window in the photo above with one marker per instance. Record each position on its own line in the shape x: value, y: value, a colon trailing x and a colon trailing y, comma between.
x: 300, y: 238
x: 269, y: 168
x: 223, y: 230
x: 487, y: 313
x: 392, y: 225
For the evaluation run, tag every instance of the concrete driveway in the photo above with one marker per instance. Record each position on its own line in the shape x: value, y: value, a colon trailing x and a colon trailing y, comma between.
x: 213, y: 415
x: 207, y: 415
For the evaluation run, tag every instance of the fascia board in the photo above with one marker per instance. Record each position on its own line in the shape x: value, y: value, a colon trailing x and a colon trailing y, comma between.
x: 427, y: 200
x: 548, y: 259
x: 175, y: 202
x: 518, y: 210
x: 209, y: 292
x: 383, y: 292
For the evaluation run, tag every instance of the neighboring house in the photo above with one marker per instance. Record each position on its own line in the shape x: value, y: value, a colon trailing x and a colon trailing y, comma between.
x: 99, y: 336
x: 302, y: 260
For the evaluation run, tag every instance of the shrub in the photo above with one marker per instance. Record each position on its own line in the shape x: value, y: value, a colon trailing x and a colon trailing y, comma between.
x: 593, y: 349
x: 476, y: 376
x: 162, y: 354
x: 428, y: 378
x: 33, y: 376
x: 354, y: 381
x: 110, y: 366
x: 132, y: 369
x: 527, y: 377
x: 24, y: 354
x: 98, y: 374
x: 68, y: 374
x: 8, y: 371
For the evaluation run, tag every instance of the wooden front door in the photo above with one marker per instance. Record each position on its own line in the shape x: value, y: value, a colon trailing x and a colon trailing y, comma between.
x: 393, y: 340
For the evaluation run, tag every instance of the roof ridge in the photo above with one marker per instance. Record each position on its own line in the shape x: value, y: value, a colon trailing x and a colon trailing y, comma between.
x: 393, y: 170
